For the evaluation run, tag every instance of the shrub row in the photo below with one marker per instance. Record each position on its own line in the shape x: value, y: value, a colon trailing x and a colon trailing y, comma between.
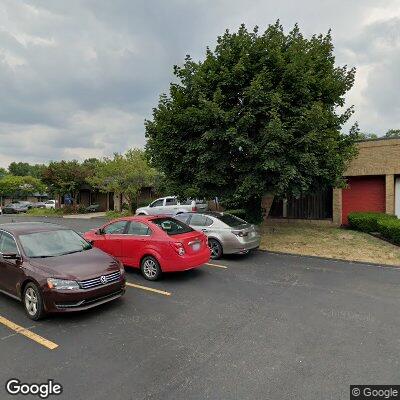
x: 390, y: 229
x: 367, y: 221
x: 387, y: 225
x: 41, y: 212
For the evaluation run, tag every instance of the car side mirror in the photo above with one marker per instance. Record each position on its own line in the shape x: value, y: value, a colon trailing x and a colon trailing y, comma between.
x: 10, y: 256
x: 100, y: 231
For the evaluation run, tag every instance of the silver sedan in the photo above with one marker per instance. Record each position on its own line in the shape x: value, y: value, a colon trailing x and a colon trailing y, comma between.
x: 226, y: 233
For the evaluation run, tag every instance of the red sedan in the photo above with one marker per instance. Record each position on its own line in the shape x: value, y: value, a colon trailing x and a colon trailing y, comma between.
x: 155, y: 244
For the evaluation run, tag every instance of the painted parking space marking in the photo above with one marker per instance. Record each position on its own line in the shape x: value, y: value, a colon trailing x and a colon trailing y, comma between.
x: 29, y: 334
x: 217, y: 265
x: 15, y: 333
x: 149, y: 289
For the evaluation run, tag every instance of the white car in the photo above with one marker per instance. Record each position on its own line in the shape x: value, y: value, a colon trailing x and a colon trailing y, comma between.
x: 171, y: 206
x: 50, y: 204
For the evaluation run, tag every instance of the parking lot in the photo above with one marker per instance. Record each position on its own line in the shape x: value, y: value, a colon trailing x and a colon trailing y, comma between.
x: 261, y: 326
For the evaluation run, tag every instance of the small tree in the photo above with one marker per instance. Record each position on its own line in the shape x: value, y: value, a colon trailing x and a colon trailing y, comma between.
x: 19, y: 186
x: 66, y: 177
x: 124, y: 175
x: 393, y: 133
x: 366, y: 136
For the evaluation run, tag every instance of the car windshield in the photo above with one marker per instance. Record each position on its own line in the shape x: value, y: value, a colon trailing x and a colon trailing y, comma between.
x: 53, y: 243
x: 230, y: 220
x: 172, y: 226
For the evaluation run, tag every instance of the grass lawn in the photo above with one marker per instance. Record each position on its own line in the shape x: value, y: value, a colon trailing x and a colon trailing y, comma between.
x: 45, y: 212
x: 328, y: 241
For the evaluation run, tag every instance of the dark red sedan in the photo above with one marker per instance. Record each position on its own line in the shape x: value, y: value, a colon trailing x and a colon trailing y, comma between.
x: 51, y: 268
x: 155, y: 244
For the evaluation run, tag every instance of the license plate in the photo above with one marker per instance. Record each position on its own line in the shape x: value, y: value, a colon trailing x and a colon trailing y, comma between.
x: 196, y: 246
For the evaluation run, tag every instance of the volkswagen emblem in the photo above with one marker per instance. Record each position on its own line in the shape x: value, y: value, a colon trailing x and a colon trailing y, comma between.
x: 103, y: 280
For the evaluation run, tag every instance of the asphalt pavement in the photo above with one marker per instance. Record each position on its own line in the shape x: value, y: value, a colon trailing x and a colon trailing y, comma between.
x: 261, y: 326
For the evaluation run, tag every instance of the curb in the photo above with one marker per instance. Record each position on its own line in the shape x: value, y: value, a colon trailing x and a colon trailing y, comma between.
x: 282, y: 253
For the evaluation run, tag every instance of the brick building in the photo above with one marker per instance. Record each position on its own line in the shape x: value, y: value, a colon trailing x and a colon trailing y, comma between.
x: 373, y: 179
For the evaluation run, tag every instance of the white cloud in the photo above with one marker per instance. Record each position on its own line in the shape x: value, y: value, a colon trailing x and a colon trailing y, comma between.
x: 78, y: 78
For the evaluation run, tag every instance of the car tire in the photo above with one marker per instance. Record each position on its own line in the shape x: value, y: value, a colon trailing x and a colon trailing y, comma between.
x: 33, y: 302
x: 215, y: 248
x: 150, y: 268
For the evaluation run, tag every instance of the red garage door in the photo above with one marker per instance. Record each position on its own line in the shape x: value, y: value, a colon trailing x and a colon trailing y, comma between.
x: 365, y: 193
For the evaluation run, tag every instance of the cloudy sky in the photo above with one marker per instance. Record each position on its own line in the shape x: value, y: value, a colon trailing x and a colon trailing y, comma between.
x: 78, y: 77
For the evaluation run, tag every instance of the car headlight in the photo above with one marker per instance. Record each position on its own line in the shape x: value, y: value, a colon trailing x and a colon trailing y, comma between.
x: 121, y: 268
x: 62, y: 284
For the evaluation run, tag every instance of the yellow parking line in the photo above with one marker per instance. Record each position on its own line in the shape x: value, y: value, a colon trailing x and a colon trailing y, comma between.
x: 27, y: 333
x: 148, y: 289
x: 217, y: 265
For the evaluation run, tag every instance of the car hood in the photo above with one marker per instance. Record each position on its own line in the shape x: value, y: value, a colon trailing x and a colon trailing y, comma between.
x: 86, y: 264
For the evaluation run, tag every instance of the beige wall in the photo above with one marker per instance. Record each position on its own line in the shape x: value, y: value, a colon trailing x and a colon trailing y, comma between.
x: 376, y: 157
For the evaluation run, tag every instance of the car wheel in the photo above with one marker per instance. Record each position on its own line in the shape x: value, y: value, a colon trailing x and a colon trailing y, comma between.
x: 150, y: 268
x: 33, y: 302
x: 215, y: 248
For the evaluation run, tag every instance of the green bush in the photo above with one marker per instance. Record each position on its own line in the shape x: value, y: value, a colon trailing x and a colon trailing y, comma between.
x: 42, y: 212
x: 368, y: 221
x: 116, y: 214
x: 144, y: 203
x: 390, y: 229
x: 81, y: 209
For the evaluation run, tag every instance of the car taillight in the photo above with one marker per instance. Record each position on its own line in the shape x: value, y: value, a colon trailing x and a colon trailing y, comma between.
x: 178, y: 247
x: 240, y: 233
x: 194, y: 209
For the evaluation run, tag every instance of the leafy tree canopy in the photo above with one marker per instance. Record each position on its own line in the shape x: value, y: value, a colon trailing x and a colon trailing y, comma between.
x: 25, y: 169
x: 262, y: 113
x: 366, y: 136
x: 16, y: 186
x: 124, y: 173
x: 64, y: 177
x: 393, y: 133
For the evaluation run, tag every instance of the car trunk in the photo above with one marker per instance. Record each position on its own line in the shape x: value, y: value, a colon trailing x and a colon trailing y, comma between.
x: 248, y: 231
x: 192, y: 242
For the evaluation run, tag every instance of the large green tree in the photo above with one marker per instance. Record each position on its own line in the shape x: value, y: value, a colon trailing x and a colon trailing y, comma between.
x: 262, y: 113
x: 124, y: 174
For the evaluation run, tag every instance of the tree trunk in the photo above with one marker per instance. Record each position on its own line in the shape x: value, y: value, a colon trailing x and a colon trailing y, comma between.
x: 75, y: 197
